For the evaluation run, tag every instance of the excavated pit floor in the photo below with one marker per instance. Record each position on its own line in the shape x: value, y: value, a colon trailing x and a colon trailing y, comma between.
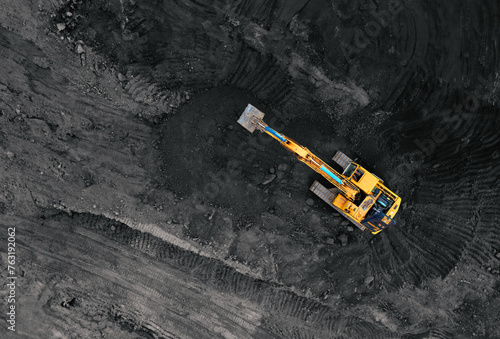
x: 142, y: 209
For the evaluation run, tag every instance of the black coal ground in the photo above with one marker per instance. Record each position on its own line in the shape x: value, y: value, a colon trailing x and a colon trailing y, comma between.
x: 144, y: 210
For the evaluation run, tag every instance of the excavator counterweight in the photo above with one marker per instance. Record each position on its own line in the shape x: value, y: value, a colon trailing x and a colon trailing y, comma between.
x: 357, y: 194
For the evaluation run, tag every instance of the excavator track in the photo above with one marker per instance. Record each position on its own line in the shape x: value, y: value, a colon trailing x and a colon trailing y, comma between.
x: 328, y: 195
x: 342, y: 159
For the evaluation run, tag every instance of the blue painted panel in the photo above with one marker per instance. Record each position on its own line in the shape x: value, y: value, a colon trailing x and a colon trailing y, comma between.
x: 333, y: 176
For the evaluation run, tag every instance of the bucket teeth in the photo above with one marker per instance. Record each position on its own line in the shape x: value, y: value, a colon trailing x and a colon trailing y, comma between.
x: 249, y: 116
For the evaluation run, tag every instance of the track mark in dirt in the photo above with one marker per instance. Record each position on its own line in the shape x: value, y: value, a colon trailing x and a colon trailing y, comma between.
x: 270, y: 298
x: 174, y: 303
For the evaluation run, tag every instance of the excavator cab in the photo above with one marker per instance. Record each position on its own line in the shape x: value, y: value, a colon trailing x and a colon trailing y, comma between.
x: 349, y: 170
x: 357, y: 175
x: 360, y: 177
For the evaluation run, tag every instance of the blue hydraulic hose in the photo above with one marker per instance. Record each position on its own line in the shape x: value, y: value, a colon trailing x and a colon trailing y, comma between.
x: 276, y: 134
x: 323, y: 168
x: 333, y: 176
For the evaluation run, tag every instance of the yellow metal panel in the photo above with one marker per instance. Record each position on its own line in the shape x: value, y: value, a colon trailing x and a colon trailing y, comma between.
x: 367, y: 182
x: 340, y: 201
x: 395, y: 207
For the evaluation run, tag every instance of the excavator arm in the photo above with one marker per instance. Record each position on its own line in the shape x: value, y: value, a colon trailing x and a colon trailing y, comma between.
x: 251, y: 119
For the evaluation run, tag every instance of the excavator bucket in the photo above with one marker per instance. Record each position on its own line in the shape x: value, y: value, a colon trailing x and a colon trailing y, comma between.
x: 249, y: 116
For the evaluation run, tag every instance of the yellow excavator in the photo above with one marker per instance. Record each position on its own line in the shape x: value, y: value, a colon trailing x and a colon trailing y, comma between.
x: 357, y: 194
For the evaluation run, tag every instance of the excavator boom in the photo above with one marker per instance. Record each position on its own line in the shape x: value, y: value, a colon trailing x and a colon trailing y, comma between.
x: 251, y: 119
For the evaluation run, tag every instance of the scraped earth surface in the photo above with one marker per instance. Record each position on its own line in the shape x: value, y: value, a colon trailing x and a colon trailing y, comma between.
x: 143, y: 210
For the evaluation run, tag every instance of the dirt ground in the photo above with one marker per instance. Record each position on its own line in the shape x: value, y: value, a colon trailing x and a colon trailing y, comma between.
x: 142, y: 209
